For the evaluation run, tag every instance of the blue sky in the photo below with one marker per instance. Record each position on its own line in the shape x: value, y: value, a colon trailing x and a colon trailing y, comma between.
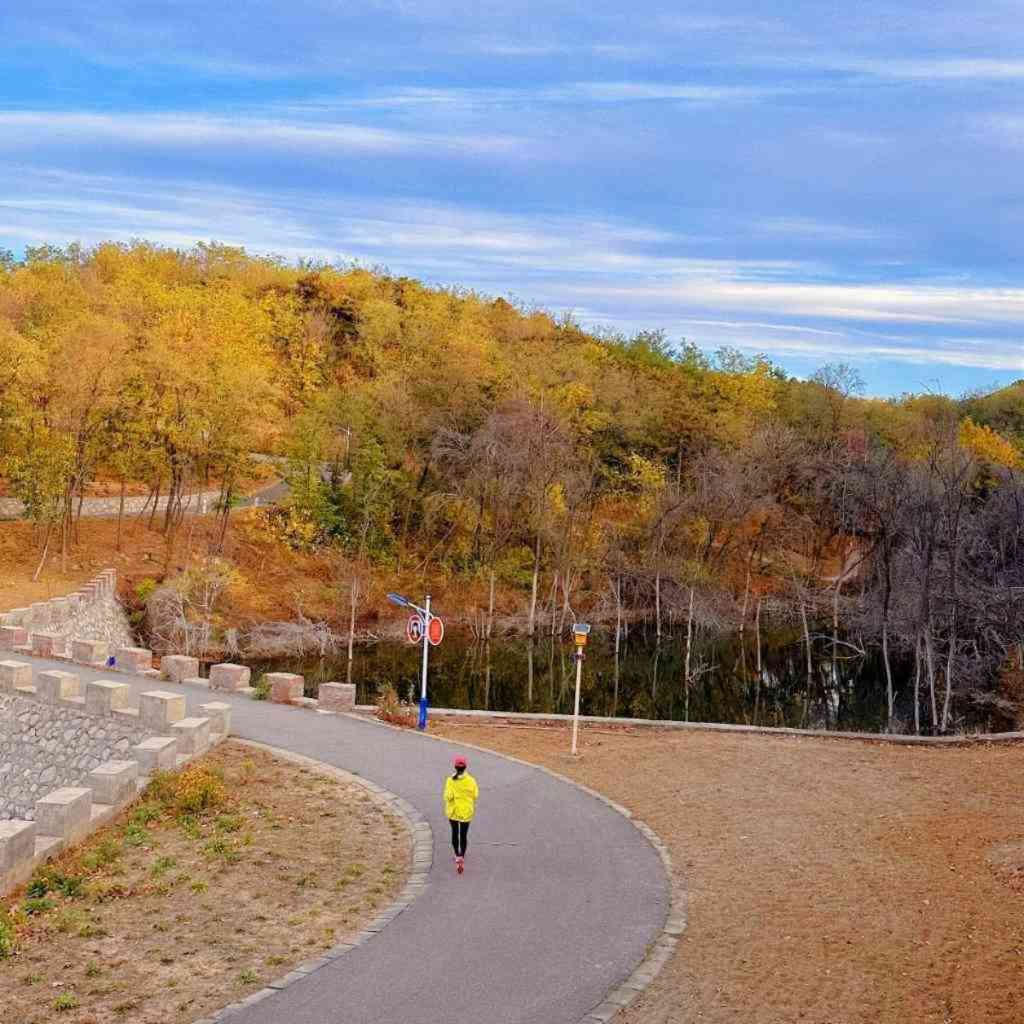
x: 818, y: 181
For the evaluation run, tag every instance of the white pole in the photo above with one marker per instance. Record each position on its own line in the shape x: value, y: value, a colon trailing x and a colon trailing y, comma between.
x: 576, y: 709
x: 426, y: 648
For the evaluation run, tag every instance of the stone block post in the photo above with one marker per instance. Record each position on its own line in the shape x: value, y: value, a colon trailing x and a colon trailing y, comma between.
x: 192, y: 734
x: 159, y: 710
x: 65, y: 813
x: 285, y: 687
x: 52, y: 687
x: 113, y: 782
x: 39, y: 613
x: 47, y: 645
x: 17, y: 844
x: 13, y: 636
x: 89, y: 652
x: 337, y: 696
x: 219, y: 715
x: 229, y: 677
x: 178, y: 667
x: 134, y: 659
x: 158, y: 753
x: 104, y: 697
x: 14, y: 674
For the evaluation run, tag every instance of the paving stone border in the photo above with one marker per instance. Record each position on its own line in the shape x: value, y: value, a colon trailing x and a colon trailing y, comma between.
x: 670, y: 725
x: 661, y: 950
x: 422, y: 838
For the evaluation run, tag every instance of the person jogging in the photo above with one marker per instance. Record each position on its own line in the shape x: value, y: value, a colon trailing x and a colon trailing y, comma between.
x: 460, y: 796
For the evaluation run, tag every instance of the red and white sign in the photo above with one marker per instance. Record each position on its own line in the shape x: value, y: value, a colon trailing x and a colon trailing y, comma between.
x: 414, y: 629
x: 435, y: 631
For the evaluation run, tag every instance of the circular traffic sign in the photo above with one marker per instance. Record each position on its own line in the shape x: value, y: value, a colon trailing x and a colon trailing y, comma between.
x: 435, y: 631
x: 414, y: 629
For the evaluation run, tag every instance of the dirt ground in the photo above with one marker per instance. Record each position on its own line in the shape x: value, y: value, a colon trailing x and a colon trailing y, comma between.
x: 829, y: 882
x: 169, y: 914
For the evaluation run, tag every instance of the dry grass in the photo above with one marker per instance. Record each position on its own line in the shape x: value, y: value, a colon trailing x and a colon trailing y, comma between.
x: 178, y: 909
x: 829, y: 882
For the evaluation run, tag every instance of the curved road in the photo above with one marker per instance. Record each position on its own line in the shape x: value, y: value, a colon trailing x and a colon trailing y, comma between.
x: 560, y: 898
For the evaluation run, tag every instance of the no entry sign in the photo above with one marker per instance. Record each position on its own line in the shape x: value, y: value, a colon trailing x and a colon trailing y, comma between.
x: 435, y: 631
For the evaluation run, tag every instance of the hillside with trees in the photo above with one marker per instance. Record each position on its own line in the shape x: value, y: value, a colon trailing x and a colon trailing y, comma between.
x: 540, y: 469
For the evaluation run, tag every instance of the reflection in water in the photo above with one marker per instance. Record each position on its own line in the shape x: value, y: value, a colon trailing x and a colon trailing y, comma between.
x: 764, y: 681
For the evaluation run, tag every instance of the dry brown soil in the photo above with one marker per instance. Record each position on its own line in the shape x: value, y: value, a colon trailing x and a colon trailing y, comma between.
x: 830, y: 882
x: 184, y: 915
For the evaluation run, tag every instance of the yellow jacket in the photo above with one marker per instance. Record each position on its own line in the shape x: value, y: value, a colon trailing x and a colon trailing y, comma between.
x: 460, y: 796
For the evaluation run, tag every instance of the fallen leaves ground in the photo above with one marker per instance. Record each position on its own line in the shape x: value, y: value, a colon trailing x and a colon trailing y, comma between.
x: 829, y: 882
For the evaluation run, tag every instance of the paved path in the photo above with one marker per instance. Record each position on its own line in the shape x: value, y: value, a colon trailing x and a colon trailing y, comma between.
x: 560, y: 898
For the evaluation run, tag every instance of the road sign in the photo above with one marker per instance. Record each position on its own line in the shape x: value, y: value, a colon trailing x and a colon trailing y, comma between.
x: 435, y: 631
x: 414, y: 629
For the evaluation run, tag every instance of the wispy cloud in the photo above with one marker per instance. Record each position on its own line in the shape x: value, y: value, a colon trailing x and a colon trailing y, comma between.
x: 606, y: 270
x: 24, y: 129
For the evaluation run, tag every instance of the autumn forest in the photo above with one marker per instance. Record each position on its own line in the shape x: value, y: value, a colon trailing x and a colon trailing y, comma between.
x: 544, y: 469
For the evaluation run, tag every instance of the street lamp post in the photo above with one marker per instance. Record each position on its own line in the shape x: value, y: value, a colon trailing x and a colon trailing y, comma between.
x: 580, y: 632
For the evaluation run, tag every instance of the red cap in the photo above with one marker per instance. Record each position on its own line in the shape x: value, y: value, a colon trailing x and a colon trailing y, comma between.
x: 459, y: 762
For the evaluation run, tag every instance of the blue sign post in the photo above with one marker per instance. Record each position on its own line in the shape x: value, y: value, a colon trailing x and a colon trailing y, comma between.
x: 431, y: 636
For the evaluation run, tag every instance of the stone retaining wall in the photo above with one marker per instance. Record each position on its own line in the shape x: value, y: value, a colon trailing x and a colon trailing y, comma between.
x: 43, y: 747
x: 201, y: 502
x: 94, y: 748
x: 92, y: 612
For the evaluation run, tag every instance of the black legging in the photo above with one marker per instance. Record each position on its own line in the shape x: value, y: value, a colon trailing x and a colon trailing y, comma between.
x: 460, y: 829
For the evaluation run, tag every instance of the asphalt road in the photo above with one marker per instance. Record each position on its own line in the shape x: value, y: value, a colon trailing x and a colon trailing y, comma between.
x: 560, y: 898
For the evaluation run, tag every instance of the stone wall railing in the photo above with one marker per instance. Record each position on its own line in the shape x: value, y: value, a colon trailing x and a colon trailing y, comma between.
x: 93, y: 612
x: 199, y: 502
x: 165, y: 737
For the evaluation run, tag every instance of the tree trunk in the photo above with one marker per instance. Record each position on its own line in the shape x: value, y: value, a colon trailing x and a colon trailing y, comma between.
x: 490, y: 609
x: 689, y: 640
x: 156, y: 501
x: 657, y: 606
x: 120, y: 515
x: 931, y: 677
x: 533, y: 590
x: 746, y: 598
x: 353, y: 595
x: 807, y: 644
x: 949, y: 671
x: 757, y: 632
x: 46, y: 548
x: 888, y: 671
x: 917, y: 686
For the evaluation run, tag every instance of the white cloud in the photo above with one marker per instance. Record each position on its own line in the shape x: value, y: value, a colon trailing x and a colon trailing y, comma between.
x: 29, y: 129
x: 606, y: 270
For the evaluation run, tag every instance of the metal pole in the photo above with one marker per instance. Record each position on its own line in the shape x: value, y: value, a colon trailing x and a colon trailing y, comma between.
x: 426, y: 652
x: 576, y: 709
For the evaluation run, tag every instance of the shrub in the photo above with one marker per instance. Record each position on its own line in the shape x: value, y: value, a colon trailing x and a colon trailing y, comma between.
x: 105, y: 852
x: 261, y: 687
x: 198, y: 789
x: 36, y: 905
x: 6, y: 938
x: 393, y: 710
x: 65, y: 1001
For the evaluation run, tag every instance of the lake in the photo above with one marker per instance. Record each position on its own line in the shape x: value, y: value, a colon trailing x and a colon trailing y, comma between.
x: 646, y: 681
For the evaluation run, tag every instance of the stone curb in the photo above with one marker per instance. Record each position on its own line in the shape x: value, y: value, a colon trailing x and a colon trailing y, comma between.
x: 661, y: 949
x: 366, y: 711
x: 422, y: 857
